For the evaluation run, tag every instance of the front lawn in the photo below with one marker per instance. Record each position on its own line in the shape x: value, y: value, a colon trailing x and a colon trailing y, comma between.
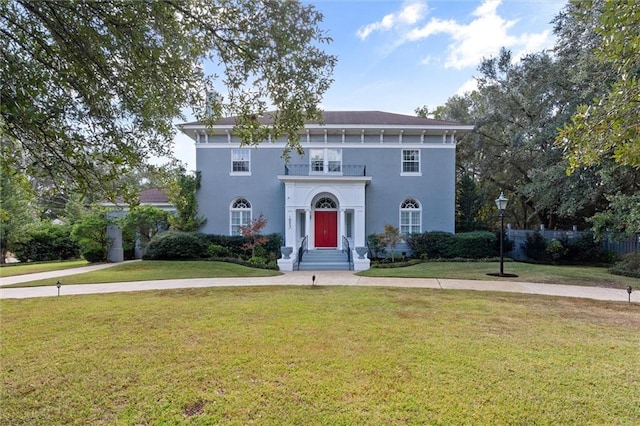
x: 318, y: 356
x: 527, y: 272
x: 13, y: 269
x: 147, y: 270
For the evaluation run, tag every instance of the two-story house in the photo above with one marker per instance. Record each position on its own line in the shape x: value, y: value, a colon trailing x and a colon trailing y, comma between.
x: 360, y: 170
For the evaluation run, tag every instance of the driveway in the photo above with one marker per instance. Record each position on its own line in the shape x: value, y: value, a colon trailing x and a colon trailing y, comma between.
x: 304, y: 278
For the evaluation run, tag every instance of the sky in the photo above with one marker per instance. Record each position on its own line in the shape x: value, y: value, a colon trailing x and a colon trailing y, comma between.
x: 396, y: 56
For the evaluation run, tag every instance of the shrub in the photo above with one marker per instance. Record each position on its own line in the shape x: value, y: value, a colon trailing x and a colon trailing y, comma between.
x: 585, y: 249
x: 629, y: 265
x: 556, y: 250
x: 430, y: 245
x: 257, y: 261
x: 535, y: 247
x: 177, y: 245
x: 47, y: 242
x: 473, y: 245
x: 94, y: 254
x: 235, y: 245
x: 216, y: 250
x: 376, y: 246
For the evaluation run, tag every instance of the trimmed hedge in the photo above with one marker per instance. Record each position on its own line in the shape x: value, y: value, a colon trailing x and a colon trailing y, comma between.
x: 443, y: 245
x: 583, y: 249
x: 472, y: 245
x: 47, y: 242
x: 430, y: 245
x: 234, y: 244
x: 177, y: 245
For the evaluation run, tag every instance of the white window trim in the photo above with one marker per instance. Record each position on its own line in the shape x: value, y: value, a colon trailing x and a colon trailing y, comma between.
x: 325, y: 162
x: 232, y: 210
x: 418, y: 211
x: 232, y: 173
x: 402, y: 172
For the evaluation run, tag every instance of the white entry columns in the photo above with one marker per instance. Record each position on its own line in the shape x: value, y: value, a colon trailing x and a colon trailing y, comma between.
x: 349, y: 192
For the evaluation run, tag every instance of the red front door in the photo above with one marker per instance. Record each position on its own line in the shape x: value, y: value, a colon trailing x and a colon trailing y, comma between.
x: 326, y: 228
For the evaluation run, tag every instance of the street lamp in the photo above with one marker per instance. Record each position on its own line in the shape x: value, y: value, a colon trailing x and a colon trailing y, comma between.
x: 501, y: 203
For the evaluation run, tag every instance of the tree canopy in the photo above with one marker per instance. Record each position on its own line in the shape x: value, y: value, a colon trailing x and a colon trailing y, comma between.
x: 90, y: 89
x: 518, y: 109
x: 608, y: 127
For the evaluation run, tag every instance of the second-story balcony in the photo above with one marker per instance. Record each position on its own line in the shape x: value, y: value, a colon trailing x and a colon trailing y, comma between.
x: 331, y: 170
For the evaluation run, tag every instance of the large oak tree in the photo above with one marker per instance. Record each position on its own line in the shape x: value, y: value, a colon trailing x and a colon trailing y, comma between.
x: 90, y: 90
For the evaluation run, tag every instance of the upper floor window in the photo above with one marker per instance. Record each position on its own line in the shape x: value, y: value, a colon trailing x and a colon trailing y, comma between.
x: 325, y: 160
x: 411, y: 162
x: 240, y: 215
x: 241, y: 161
x: 410, y: 217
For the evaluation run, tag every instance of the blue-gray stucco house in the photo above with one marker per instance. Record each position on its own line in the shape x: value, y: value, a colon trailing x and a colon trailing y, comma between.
x: 360, y: 170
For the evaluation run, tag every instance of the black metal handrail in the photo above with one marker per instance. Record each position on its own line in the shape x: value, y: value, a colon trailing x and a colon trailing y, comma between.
x: 303, y: 248
x: 345, y: 243
x: 344, y: 170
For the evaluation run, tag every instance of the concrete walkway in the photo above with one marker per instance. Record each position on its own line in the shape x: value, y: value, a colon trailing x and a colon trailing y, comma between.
x: 54, y: 275
x: 299, y: 278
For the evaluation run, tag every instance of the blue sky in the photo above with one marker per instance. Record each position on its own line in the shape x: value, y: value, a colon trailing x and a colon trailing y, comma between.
x: 397, y: 55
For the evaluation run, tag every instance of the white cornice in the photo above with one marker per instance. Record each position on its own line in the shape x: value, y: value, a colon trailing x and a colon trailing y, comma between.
x: 324, y: 178
x: 350, y: 145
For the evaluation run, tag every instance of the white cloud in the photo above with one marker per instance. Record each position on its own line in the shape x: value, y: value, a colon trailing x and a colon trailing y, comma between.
x: 410, y: 14
x: 468, y: 86
x: 482, y: 37
x: 470, y: 42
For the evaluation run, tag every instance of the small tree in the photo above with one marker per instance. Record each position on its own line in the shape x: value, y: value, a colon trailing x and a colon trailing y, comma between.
x: 252, y: 232
x: 391, y: 237
x: 90, y: 232
x: 146, y: 221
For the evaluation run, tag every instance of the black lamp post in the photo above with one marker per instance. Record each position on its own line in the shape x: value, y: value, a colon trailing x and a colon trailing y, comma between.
x: 58, y: 284
x: 501, y: 203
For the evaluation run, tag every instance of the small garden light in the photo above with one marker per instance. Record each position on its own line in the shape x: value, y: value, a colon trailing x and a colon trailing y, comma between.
x: 629, y: 290
x: 58, y: 284
x: 313, y: 280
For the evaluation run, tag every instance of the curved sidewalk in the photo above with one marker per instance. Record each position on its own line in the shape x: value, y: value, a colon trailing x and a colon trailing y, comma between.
x: 325, y: 278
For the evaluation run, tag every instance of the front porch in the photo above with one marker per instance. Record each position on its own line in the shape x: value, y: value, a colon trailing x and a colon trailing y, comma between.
x: 324, y: 212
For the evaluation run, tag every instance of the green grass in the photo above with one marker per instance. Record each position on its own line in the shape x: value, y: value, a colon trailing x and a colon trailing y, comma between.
x: 527, y: 272
x: 156, y: 270
x: 318, y: 356
x: 14, y: 269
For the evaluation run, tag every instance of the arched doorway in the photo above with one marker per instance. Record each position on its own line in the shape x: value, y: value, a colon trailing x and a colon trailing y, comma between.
x: 325, y: 219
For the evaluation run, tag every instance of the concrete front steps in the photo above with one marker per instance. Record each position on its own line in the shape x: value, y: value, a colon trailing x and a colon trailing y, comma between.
x: 324, y: 260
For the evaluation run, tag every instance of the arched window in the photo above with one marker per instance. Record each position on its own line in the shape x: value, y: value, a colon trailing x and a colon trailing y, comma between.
x: 240, y: 215
x: 410, y: 217
x: 326, y: 203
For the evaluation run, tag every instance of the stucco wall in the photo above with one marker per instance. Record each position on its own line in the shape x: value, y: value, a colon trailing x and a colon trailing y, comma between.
x: 434, y: 189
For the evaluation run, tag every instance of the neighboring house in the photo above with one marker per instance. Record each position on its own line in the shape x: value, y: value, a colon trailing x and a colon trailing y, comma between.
x: 154, y: 197
x: 360, y: 170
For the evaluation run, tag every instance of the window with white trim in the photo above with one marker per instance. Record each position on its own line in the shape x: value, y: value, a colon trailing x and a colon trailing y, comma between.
x: 410, y: 217
x: 241, y: 161
x: 325, y: 161
x: 410, y: 161
x: 240, y: 215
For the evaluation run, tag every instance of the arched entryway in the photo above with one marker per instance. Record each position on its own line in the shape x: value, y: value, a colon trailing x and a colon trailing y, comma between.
x: 325, y: 219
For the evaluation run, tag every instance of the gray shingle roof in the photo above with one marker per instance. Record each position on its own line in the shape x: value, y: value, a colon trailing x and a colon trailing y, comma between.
x: 153, y: 195
x: 356, y: 118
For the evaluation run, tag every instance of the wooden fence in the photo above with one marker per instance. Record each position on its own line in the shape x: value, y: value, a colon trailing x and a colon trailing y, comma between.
x: 519, y: 237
